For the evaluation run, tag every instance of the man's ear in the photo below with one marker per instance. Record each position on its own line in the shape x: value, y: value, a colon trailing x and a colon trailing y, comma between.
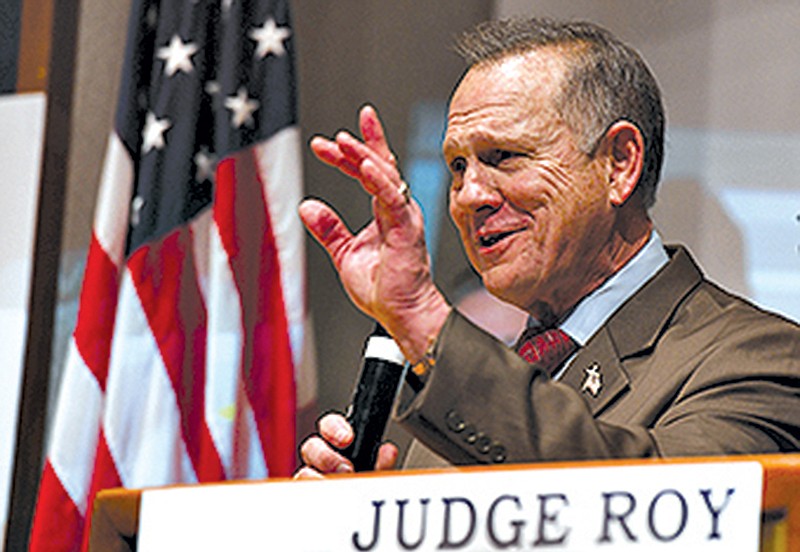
x: 625, y: 145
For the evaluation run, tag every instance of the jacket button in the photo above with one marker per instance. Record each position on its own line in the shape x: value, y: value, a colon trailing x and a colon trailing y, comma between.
x: 455, y: 422
x: 483, y: 443
x: 470, y: 434
x: 497, y: 454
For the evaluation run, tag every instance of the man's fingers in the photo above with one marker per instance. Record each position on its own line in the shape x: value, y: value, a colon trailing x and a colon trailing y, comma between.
x: 370, y: 161
x: 307, y: 473
x: 318, y: 451
x: 375, y: 144
x: 356, y: 152
x: 378, y: 176
x: 373, y: 133
x: 319, y: 455
x: 329, y: 152
x: 326, y: 227
x: 321, y: 460
x: 335, y: 429
x: 389, y: 191
x: 387, y: 457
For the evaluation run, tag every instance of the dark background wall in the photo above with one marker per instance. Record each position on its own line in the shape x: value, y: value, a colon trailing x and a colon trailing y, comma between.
x: 397, y: 54
x: 350, y: 52
x: 393, y: 55
x: 10, y: 14
x: 709, y: 56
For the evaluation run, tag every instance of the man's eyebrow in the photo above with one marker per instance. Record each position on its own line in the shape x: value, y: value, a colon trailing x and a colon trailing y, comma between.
x: 488, y: 136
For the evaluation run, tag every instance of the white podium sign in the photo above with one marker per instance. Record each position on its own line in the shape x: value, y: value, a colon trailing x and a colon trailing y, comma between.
x: 702, y: 506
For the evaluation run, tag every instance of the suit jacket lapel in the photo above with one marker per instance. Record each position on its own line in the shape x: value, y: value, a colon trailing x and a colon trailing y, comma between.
x: 597, y: 371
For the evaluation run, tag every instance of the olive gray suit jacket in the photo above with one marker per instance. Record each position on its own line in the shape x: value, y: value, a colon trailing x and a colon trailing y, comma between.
x: 682, y: 368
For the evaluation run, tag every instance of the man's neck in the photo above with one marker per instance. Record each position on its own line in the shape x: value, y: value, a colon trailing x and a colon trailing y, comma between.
x: 626, y: 242
x: 594, y: 309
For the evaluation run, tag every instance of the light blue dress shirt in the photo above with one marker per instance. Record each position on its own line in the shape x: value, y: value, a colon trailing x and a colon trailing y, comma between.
x: 595, y: 309
x: 589, y: 315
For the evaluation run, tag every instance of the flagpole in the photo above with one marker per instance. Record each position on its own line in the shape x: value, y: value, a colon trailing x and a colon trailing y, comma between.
x: 33, y: 405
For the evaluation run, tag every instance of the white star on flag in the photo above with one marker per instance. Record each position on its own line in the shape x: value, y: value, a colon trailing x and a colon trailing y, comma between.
x: 270, y: 38
x: 205, y: 163
x: 136, y: 210
x: 212, y: 88
x: 153, y: 133
x: 177, y: 56
x: 151, y: 17
x: 194, y: 332
x: 242, y: 107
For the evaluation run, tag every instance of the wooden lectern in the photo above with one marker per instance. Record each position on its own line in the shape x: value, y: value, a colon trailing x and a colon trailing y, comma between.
x: 117, y: 512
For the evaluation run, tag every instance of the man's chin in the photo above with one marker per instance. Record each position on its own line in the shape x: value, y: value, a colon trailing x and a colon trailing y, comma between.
x: 507, y: 289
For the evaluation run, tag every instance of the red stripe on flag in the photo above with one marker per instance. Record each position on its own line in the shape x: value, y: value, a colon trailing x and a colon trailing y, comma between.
x: 57, y: 523
x: 166, y: 281
x: 104, y: 476
x: 98, y: 303
x: 245, y: 230
x: 148, y: 184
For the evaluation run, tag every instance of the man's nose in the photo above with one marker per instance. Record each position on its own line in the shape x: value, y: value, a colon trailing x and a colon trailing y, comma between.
x: 478, y: 189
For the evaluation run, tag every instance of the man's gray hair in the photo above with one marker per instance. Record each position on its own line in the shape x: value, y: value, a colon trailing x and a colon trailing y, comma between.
x: 605, y: 81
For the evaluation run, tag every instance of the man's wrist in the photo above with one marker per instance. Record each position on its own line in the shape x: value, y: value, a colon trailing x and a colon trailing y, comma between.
x: 425, y: 364
x: 417, y: 335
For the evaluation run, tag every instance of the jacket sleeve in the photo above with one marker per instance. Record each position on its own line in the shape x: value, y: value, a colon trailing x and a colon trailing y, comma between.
x: 483, y: 404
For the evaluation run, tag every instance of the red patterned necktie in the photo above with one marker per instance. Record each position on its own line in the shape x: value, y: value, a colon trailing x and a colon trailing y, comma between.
x: 547, y: 349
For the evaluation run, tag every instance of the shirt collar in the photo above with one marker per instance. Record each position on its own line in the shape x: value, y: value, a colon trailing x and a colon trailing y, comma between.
x: 589, y: 315
x: 595, y: 309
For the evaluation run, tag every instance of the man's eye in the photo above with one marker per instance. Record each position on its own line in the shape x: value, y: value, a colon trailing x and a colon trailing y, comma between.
x: 496, y: 156
x: 458, y: 165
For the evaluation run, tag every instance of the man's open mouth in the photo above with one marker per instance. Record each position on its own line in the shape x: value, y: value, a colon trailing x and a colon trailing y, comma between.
x: 491, y: 239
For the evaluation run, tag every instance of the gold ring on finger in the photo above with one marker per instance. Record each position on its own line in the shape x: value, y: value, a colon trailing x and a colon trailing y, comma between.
x: 405, y: 191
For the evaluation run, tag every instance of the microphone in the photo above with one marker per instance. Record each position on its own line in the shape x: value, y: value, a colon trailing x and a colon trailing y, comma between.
x: 381, y: 373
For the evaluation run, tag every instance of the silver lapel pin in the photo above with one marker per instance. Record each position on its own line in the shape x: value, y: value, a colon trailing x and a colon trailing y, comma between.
x: 593, y: 380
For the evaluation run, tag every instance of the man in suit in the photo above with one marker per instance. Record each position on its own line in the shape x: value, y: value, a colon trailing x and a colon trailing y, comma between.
x: 554, y: 142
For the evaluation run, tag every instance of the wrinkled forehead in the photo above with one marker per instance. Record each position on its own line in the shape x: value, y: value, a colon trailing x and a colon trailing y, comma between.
x: 537, y: 73
x: 514, y: 91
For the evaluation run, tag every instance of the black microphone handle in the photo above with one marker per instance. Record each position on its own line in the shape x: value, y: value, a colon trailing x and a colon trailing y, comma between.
x: 381, y: 374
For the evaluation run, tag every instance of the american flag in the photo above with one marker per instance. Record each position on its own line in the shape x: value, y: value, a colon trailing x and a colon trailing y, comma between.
x: 187, y: 360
